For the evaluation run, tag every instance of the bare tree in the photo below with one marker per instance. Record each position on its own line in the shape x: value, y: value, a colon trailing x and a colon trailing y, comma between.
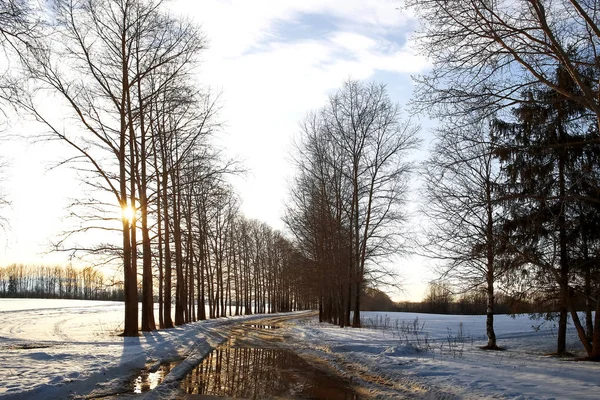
x: 4, y: 202
x: 485, y: 53
x: 99, y: 62
x: 19, y: 23
x: 354, y: 177
x: 18, y: 27
x: 366, y: 125
x: 461, y: 178
x: 317, y: 217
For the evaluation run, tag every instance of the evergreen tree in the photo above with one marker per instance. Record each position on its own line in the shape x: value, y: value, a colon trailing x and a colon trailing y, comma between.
x: 12, y: 286
x: 543, y: 154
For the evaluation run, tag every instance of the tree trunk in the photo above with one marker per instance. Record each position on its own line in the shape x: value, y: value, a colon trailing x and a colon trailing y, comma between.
x: 161, y: 304
x: 489, y: 321
x: 561, y: 346
x: 129, y: 271
x: 595, y: 356
x: 167, y: 245
x: 580, y: 331
x: 356, y: 315
x: 148, y: 323
x: 490, y: 267
x: 180, y: 288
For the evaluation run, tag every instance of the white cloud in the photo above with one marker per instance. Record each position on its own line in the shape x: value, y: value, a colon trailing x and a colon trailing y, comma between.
x: 270, y: 80
x: 353, y: 41
x: 235, y: 26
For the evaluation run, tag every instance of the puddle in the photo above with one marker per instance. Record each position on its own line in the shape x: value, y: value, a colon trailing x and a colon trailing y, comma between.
x: 250, y: 370
x: 258, y: 326
x: 260, y: 373
x: 148, y: 380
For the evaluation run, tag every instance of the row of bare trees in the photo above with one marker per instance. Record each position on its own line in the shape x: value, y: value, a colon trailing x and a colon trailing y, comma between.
x: 346, y: 209
x: 122, y: 71
x: 513, y: 180
x: 225, y: 264
x: 42, y: 281
x: 116, y: 81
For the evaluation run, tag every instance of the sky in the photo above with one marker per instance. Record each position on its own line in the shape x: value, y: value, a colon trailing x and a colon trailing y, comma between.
x: 271, y: 62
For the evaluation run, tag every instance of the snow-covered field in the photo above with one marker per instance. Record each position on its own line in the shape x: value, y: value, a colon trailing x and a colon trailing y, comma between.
x: 56, y: 349
x: 65, y: 348
x: 438, y: 357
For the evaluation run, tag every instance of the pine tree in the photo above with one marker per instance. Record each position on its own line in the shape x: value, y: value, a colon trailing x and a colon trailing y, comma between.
x: 548, y: 197
x: 12, y: 286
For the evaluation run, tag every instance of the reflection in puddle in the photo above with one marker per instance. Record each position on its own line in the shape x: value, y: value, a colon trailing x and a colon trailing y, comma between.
x: 258, y: 326
x: 148, y: 380
x: 238, y: 370
x: 259, y: 373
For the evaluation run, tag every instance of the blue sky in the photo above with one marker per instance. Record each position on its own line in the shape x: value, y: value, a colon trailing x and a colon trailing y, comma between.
x: 272, y: 62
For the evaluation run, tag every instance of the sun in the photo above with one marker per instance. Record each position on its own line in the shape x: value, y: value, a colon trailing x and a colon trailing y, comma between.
x: 128, y: 213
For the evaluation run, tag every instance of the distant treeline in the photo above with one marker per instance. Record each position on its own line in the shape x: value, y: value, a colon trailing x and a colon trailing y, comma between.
x: 444, y: 302
x: 57, y: 282
x: 439, y: 299
x: 466, y: 306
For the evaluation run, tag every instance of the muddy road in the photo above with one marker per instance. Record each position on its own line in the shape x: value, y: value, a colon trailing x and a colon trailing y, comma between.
x: 256, y: 361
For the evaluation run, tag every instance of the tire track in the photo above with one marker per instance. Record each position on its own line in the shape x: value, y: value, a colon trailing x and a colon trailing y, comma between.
x: 59, y: 332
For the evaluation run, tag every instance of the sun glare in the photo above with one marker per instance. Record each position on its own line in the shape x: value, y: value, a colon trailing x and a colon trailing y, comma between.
x: 128, y: 213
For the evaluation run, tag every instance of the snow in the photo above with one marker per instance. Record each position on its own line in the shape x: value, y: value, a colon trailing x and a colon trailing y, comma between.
x: 56, y: 349
x: 442, y: 359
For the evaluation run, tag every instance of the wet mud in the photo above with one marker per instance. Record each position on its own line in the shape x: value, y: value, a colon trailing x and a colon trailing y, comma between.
x: 250, y: 365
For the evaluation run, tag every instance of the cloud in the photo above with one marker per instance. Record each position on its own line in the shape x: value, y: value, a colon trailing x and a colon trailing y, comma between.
x: 237, y: 25
x: 274, y: 61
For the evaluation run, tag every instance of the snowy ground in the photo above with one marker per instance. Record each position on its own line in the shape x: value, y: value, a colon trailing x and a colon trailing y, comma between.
x: 64, y: 348
x: 56, y: 349
x: 439, y: 357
